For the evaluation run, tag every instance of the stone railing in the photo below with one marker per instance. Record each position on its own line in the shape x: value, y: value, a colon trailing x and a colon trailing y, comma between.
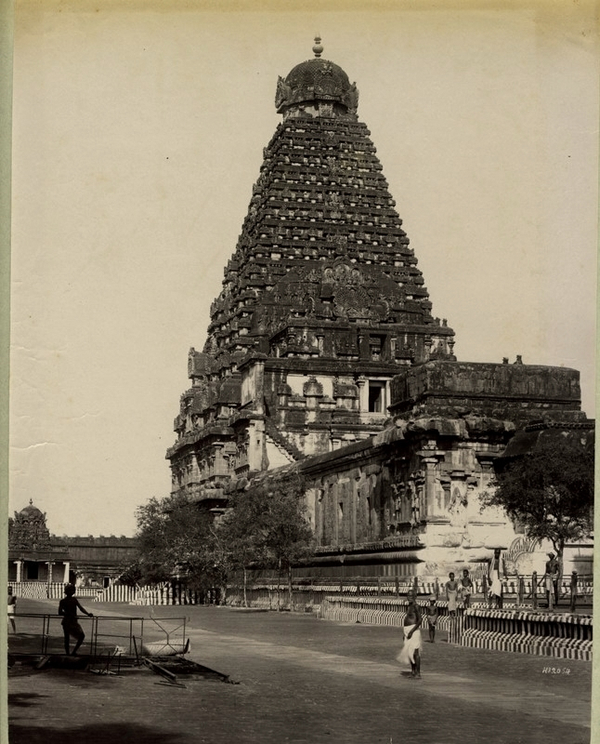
x: 306, y: 593
x: 377, y: 610
x: 543, y: 633
x: 46, y: 590
x: 161, y: 594
x: 169, y: 593
x: 559, y: 635
x: 543, y: 624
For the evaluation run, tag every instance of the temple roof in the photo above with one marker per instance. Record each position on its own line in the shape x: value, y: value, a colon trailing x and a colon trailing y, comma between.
x: 316, y: 80
x: 30, y: 511
x: 320, y: 197
x: 322, y: 275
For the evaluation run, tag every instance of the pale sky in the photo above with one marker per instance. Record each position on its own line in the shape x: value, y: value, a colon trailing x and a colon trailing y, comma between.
x: 138, y: 134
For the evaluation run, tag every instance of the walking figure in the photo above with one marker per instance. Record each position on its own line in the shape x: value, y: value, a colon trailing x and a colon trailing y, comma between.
x: 411, y: 651
x: 11, y: 609
x: 67, y: 607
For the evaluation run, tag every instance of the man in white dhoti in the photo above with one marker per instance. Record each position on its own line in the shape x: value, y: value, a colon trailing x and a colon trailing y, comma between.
x: 452, y: 588
x: 411, y: 651
x: 497, y: 571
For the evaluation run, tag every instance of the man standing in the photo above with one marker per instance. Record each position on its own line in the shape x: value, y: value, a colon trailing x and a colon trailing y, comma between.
x: 451, y: 587
x: 67, y: 607
x: 432, y: 617
x: 466, y: 587
x: 551, y: 578
x: 411, y: 651
x: 11, y: 608
x: 497, y: 569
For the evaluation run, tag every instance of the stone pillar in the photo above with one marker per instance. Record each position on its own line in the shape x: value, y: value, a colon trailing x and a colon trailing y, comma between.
x: 49, y: 564
x: 428, y: 502
x: 19, y: 565
x: 67, y: 569
x: 354, y: 501
x: 363, y: 393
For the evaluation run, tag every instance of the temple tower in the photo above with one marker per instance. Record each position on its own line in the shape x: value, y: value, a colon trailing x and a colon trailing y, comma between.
x: 322, y: 302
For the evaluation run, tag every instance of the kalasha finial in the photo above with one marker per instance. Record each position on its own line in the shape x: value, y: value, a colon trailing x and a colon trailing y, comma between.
x: 318, y: 47
x: 30, y: 502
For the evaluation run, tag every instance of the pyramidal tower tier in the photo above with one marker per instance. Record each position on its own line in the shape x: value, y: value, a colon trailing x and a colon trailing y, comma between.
x: 322, y: 301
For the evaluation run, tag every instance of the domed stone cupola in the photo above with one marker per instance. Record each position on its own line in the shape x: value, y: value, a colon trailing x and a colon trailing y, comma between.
x: 28, y: 529
x: 31, y: 512
x: 316, y: 87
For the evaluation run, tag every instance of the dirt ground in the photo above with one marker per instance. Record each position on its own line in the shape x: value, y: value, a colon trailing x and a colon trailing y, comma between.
x: 301, y: 679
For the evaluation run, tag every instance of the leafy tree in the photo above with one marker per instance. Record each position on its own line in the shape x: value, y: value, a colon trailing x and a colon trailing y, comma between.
x: 239, y: 539
x: 131, y: 574
x: 176, y: 538
x: 267, y: 526
x: 549, y: 489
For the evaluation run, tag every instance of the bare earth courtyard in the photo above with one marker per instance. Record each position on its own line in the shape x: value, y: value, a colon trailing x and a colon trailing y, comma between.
x: 301, y: 679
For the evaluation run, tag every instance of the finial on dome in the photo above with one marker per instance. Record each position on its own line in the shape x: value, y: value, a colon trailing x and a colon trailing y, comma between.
x: 30, y: 502
x: 318, y: 47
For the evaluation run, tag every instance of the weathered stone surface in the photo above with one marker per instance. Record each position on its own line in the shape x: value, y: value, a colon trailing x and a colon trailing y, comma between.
x: 516, y: 392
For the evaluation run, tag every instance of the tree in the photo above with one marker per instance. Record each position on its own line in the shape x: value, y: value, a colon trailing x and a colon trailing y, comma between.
x: 176, y: 538
x: 131, y: 574
x: 267, y: 526
x: 549, y: 489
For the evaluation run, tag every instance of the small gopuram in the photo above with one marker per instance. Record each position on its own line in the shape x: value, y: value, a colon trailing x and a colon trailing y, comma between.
x: 323, y: 355
x: 37, y: 559
x: 32, y: 554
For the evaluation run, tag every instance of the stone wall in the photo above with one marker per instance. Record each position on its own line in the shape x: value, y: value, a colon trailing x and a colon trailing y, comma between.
x: 515, y: 392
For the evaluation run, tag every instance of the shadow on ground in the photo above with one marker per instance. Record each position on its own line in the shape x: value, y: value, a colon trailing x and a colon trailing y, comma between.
x: 24, y: 699
x: 93, y: 733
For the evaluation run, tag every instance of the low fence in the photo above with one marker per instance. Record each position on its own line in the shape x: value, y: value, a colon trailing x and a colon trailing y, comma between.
x: 377, y: 611
x: 536, y: 632
x: 171, y: 593
x: 117, y: 593
x: 163, y: 594
x: 307, y: 594
x: 542, y: 624
x: 516, y: 590
x: 47, y: 590
x: 561, y: 636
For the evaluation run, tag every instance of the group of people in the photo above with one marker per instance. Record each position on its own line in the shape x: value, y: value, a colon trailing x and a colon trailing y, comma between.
x: 461, y: 590
x: 67, y: 608
x: 456, y: 590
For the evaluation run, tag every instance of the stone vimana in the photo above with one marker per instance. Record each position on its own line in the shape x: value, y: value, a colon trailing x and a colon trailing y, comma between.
x: 323, y: 355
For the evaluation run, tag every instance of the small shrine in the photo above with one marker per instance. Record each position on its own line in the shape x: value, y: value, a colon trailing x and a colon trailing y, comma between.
x: 32, y: 554
x: 38, y: 558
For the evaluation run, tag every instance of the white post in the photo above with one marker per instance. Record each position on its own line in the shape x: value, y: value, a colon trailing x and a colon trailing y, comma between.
x: 67, y: 569
x: 19, y: 565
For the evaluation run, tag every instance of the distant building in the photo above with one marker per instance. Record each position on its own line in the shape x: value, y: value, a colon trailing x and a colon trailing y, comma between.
x: 323, y: 355
x: 37, y: 556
